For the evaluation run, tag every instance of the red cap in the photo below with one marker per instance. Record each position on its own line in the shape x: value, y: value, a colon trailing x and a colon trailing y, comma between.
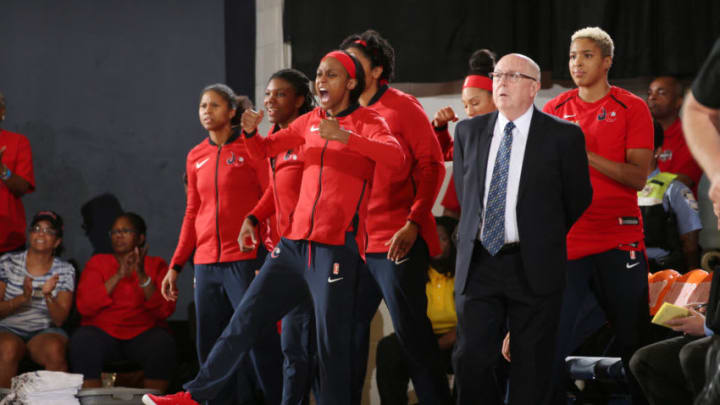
x: 343, y: 58
x: 478, y: 81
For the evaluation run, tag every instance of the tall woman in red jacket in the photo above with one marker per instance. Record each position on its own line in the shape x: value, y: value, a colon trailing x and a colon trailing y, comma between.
x: 401, y: 228
x: 323, y: 249
x: 123, y: 313
x: 224, y: 184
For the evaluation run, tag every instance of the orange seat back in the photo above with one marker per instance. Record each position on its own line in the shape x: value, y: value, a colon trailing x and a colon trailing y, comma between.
x: 684, y: 286
x: 701, y: 294
x: 659, y: 285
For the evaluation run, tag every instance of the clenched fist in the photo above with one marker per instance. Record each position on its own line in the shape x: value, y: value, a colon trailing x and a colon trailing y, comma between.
x: 250, y: 120
x: 330, y: 130
x: 443, y: 116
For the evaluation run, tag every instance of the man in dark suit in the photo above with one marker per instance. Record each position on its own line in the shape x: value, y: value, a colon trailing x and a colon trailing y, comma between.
x: 522, y: 180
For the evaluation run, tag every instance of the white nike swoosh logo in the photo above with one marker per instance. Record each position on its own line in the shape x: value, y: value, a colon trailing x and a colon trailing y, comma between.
x: 401, y: 261
x: 334, y: 280
x: 314, y: 129
x: 200, y: 164
x: 630, y: 266
x: 568, y: 116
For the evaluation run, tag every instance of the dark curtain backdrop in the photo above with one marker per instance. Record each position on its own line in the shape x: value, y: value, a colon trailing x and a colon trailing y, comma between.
x: 433, y: 39
x: 240, y: 36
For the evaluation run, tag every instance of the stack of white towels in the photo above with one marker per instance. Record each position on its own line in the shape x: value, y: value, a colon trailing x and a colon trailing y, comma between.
x: 44, y: 388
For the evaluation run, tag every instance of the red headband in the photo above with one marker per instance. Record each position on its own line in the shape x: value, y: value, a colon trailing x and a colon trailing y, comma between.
x: 47, y: 214
x: 344, y: 59
x: 478, y: 81
x: 361, y: 42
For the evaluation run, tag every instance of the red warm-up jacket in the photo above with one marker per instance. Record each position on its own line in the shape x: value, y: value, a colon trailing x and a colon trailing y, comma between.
x: 281, y: 196
x: 450, y: 201
x: 407, y: 194
x: 337, y: 177
x: 224, y: 184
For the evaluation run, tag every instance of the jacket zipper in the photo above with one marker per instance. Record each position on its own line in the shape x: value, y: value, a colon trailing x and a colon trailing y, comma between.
x: 357, y: 208
x: 217, y: 204
x: 317, y: 198
x: 278, y: 214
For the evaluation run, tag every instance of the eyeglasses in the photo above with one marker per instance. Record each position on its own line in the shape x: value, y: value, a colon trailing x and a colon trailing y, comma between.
x: 512, y: 77
x: 121, y: 231
x: 40, y: 229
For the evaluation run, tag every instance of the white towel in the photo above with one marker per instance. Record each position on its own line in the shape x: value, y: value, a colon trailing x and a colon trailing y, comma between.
x: 44, y: 388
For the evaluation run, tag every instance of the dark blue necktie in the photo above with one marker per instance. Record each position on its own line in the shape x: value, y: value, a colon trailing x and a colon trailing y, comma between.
x: 493, y: 235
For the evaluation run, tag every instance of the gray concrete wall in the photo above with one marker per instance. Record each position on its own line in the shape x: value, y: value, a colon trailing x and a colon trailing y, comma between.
x: 107, y: 92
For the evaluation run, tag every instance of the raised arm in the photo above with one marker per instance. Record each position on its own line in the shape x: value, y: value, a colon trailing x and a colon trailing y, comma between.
x: 19, y: 179
x: 261, y: 148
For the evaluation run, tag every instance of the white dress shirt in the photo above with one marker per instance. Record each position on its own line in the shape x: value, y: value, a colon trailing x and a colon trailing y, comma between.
x: 517, y: 153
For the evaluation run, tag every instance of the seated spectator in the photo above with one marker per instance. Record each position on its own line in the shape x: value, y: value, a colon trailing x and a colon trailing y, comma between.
x: 665, y: 96
x: 392, y: 363
x: 16, y: 180
x: 123, y: 313
x: 672, y: 371
x: 36, y: 288
x: 671, y: 219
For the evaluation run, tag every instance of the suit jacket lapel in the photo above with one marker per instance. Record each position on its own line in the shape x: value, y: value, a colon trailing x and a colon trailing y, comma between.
x: 531, y: 148
x: 483, y: 153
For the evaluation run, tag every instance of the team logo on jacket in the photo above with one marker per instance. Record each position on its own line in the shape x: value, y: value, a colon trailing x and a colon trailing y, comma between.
x: 665, y: 155
x: 602, y: 115
x: 289, y: 155
x: 233, y: 161
x: 275, y: 253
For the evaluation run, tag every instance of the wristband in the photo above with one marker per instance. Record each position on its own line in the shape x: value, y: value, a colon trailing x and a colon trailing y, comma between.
x: 253, y: 219
x: 146, y: 283
x: 7, y: 175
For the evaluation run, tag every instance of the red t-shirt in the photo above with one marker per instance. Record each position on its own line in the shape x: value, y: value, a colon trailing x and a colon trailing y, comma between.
x: 18, y: 158
x: 612, y: 125
x: 124, y: 313
x: 675, y: 156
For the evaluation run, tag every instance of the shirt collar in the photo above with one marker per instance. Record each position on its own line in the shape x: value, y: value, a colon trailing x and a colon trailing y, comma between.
x: 381, y: 90
x: 522, y: 123
x: 235, y: 134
